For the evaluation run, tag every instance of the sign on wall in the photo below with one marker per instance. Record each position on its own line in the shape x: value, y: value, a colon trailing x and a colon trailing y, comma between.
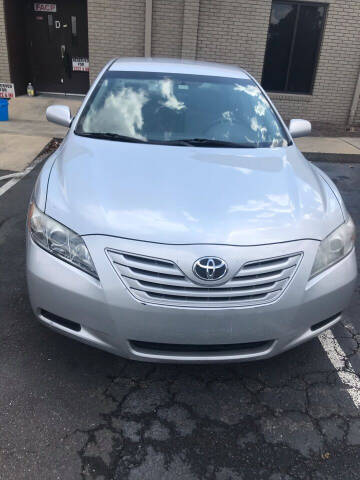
x: 80, y: 64
x: 45, y: 7
x: 7, y: 90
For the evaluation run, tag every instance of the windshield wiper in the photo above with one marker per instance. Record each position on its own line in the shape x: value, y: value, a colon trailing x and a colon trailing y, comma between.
x: 197, y: 142
x: 111, y: 136
x: 208, y: 142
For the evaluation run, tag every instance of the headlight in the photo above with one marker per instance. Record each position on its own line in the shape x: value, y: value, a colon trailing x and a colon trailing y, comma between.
x: 334, y: 247
x: 60, y: 241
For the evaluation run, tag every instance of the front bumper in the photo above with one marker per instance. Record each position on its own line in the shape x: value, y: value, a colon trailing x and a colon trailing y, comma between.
x: 109, y: 317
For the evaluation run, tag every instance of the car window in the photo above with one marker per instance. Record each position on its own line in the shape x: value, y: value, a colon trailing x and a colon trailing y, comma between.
x: 168, y: 107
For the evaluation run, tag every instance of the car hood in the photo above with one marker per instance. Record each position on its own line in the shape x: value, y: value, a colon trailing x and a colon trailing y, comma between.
x: 171, y: 194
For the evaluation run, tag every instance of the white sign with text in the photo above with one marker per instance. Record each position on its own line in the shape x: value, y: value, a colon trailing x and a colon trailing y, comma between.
x: 80, y: 64
x: 7, y: 90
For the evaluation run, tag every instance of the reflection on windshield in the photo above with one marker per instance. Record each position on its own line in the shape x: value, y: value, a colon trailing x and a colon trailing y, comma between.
x: 168, y: 107
x: 167, y: 91
x: 121, y: 113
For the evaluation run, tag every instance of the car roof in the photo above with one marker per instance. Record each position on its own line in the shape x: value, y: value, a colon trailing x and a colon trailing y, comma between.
x: 171, y: 65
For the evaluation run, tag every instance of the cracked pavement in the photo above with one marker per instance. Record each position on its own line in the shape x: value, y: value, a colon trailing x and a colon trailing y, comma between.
x: 69, y: 411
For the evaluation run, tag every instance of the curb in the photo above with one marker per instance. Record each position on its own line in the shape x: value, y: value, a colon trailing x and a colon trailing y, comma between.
x: 332, y: 157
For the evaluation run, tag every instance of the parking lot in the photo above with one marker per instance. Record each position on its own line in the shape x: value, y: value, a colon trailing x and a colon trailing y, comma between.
x: 68, y: 411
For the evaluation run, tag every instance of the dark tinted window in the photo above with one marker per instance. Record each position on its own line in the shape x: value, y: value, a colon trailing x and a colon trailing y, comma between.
x: 293, y: 45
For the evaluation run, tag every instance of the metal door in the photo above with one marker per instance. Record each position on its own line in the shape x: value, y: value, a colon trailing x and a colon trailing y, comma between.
x: 58, y: 41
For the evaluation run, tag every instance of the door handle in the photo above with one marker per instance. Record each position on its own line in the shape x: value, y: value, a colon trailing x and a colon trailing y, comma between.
x: 63, y: 50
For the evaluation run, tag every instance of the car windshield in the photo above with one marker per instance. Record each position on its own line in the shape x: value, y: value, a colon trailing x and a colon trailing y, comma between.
x: 181, y: 109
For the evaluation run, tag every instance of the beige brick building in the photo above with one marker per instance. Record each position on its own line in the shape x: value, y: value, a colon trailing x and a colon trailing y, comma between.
x: 229, y: 31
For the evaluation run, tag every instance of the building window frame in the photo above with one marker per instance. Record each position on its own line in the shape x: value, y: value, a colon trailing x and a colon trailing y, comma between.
x: 298, y: 4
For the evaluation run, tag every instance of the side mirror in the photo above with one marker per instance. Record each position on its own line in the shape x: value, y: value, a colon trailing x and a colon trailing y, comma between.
x: 299, y: 128
x: 59, y: 114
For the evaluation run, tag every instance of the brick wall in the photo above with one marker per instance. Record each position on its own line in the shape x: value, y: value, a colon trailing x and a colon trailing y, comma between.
x: 229, y: 31
x: 116, y: 28
x: 234, y: 31
x: 167, y: 28
x: 4, y: 61
x: 357, y: 115
x: 337, y: 70
x: 190, y: 29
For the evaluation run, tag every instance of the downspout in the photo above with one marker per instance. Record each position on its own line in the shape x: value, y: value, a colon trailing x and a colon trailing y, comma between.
x: 355, y: 103
x: 148, y: 26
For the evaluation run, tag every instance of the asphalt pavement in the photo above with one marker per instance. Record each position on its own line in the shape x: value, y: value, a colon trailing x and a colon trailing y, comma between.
x: 69, y: 411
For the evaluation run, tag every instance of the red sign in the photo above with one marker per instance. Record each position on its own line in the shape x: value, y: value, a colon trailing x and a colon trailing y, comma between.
x: 45, y: 7
x: 7, y: 90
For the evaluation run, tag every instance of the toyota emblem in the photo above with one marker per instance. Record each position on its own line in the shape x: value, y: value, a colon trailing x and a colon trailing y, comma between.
x: 210, y: 268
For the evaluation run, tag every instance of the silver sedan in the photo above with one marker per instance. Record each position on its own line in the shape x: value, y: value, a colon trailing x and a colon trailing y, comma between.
x: 178, y: 221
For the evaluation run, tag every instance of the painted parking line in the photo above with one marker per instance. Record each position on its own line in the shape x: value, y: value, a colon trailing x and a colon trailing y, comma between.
x: 11, y: 175
x: 342, y: 365
x: 15, y: 178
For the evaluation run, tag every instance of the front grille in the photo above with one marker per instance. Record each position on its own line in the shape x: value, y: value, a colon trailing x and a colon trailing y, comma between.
x: 161, y: 281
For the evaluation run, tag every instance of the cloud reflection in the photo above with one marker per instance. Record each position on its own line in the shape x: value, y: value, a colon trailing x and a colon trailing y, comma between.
x: 121, y: 114
x: 158, y: 109
x: 257, y: 123
x: 167, y: 91
x: 271, y: 203
x: 143, y: 221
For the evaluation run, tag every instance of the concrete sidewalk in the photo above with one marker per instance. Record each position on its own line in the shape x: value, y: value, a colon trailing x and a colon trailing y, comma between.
x: 330, y: 145
x: 27, y: 115
x: 28, y: 131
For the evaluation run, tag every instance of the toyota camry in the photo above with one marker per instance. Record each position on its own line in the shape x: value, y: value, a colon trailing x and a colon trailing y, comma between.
x: 179, y: 222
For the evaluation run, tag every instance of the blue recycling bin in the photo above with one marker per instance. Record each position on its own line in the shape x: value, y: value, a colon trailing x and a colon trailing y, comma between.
x: 4, y: 109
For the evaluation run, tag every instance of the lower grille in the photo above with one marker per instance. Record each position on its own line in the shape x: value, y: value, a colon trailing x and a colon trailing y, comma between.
x: 204, y: 299
x: 60, y: 321
x: 174, y: 348
x: 323, y: 323
x: 161, y: 281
